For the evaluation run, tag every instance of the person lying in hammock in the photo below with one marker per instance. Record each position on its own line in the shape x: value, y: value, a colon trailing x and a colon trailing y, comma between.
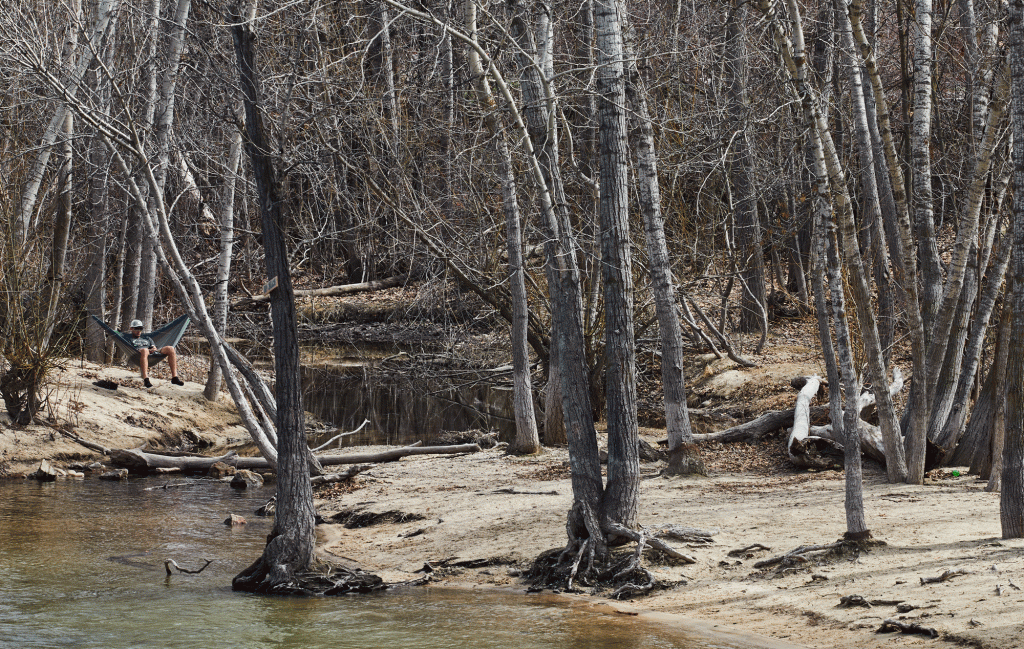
x: 146, y: 346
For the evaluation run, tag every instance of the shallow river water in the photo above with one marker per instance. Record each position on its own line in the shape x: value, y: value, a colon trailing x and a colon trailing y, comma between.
x: 81, y: 565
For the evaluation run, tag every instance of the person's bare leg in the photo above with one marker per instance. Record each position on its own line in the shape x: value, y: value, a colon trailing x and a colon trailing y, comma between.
x: 144, y: 362
x: 172, y: 359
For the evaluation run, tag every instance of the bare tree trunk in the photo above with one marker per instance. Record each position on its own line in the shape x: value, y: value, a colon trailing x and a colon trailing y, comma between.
x: 750, y: 258
x: 97, y: 229
x: 527, y: 439
x: 54, y: 286
x: 1011, y: 495
x: 684, y: 455
x: 227, y: 242
x: 289, y: 548
x: 921, y: 162
x: 621, y: 497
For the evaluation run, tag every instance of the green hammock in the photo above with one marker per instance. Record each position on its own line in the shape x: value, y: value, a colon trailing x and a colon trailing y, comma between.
x: 169, y: 334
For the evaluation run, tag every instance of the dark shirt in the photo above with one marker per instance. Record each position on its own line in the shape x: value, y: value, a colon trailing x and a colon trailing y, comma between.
x: 142, y: 342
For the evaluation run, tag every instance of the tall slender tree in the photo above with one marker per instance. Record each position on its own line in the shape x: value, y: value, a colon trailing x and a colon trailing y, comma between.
x: 289, y: 549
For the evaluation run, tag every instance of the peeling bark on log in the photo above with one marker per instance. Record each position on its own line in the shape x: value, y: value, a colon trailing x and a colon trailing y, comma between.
x: 142, y: 462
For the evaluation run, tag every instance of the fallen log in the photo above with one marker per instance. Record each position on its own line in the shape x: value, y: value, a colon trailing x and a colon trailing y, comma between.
x: 138, y: 461
x: 330, y: 291
x: 755, y: 429
x: 803, y: 448
x: 871, y: 443
x: 142, y: 462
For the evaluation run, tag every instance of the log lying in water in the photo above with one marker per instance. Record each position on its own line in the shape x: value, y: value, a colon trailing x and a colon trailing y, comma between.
x: 141, y: 462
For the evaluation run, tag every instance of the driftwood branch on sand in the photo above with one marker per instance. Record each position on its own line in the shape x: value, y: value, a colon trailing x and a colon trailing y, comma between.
x: 809, y: 446
x: 139, y: 461
x: 804, y: 449
x: 755, y: 429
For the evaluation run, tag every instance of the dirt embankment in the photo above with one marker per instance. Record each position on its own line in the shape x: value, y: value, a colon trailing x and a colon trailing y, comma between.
x: 481, y: 519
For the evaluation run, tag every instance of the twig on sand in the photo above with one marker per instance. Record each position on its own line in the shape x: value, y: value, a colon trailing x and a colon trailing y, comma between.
x: 513, y: 491
x: 742, y: 551
x: 946, y: 576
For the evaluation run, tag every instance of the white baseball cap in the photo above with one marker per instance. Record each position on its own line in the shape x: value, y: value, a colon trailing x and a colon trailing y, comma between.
x: 136, y: 324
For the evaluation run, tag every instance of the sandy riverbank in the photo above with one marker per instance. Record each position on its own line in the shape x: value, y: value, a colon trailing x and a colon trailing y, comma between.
x: 432, y: 508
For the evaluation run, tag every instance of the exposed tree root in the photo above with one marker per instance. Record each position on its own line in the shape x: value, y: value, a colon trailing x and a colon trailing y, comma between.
x: 895, y: 625
x: 655, y: 543
x: 586, y: 563
x: 631, y: 589
x: 323, y: 580
x: 807, y: 556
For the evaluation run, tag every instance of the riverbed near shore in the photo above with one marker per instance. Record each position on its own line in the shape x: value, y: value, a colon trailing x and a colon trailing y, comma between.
x: 480, y: 519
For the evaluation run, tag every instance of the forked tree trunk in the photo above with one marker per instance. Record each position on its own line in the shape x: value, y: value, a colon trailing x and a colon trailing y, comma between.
x: 531, y: 32
x: 621, y: 497
x: 289, y: 548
